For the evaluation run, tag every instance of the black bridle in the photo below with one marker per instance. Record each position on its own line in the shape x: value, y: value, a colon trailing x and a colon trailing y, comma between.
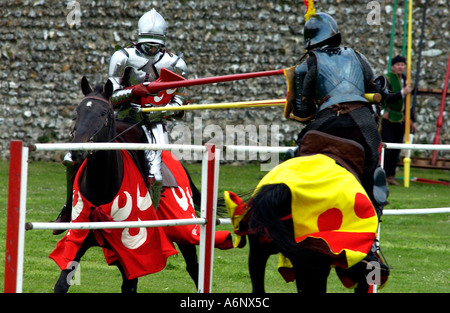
x: 108, y: 119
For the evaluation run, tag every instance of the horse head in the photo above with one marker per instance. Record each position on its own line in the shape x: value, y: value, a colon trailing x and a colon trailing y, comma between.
x: 95, y: 120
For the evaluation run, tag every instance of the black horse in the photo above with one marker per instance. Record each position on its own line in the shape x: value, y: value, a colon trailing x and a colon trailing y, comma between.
x: 104, y: 172
x: 267, y: 219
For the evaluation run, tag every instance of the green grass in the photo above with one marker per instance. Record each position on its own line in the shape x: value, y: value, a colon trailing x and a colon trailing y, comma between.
x: 416, y: 246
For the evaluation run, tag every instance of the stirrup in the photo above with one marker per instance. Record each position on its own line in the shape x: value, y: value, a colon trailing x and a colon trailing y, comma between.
x: 155, y: 190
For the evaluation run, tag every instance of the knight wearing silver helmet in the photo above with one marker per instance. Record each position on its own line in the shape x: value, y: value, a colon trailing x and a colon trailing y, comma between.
x: 129, y: 69
x: 329, y: 85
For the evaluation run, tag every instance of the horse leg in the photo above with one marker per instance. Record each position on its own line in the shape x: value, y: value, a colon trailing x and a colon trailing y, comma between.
x: 257, y: 260
x: 128, y: 285
x: 311, y: 271
x: 311, y: 279
x: 66, y: 211
x: 63, y: 283
x: 189, y: 253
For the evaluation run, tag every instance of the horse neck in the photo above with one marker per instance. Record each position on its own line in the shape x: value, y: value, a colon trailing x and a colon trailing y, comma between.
x: 102, y: 176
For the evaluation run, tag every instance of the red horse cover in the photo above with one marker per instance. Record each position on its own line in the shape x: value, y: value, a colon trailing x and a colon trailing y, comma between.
x: 145, y: 250
x: 176, y: 203
x: 141, y: 251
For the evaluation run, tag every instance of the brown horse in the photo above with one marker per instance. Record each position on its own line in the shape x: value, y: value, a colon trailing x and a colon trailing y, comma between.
x: 313, y: 210
x: 104, y: 173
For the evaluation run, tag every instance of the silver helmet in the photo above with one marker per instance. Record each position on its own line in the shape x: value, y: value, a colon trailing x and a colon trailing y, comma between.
x: 152, y: 28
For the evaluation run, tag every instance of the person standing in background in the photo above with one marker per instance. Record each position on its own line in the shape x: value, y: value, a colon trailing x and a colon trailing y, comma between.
x: 393, y: 115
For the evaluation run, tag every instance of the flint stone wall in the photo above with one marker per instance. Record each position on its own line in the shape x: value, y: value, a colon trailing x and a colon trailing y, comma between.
x: 43, y: 59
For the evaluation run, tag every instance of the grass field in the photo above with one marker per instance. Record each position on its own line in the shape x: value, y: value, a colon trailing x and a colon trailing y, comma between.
x: 417, y: 247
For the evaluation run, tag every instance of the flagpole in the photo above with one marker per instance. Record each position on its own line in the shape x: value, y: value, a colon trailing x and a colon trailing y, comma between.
x: 440, y: 119
x: 405, y: 19
x: 407, y: 159
x: 391, y: 45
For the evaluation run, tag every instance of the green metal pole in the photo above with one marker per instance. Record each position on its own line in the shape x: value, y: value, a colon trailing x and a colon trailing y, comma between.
x: 405, y: 28
x: 392, y: 37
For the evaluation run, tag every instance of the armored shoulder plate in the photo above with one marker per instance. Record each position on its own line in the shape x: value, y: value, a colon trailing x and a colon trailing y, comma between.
x: 173, y: 63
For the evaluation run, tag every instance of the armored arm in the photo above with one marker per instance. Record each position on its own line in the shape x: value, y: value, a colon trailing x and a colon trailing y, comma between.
x: 372, y: 84
x: 304, y: 107
x: 117, y: 76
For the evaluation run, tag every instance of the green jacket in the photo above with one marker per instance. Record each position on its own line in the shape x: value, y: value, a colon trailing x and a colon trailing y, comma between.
x: 394, y: 104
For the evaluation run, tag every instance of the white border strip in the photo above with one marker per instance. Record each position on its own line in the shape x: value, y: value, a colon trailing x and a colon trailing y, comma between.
x: 416, y: 211
x: 187, y: 221
x: 386, y: 145
x: 111, y: 146
x: 414, y: 146
x: 115, y: 225
x: 261, y: 149
x: 22, y: 216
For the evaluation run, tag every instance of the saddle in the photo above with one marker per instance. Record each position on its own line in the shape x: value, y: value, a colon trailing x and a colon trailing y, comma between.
x: 347, y: 153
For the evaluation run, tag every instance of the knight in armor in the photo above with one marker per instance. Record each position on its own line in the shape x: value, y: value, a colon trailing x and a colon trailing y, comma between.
x: 329, y: 83
x: 130, y: 70
x: 329, y: 93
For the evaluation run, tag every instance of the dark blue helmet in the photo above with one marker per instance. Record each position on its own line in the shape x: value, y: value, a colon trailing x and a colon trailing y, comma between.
x: 321, y: 29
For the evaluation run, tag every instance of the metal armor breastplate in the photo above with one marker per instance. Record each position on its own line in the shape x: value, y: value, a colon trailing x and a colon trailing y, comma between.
x: 140, y: 68
x: 144, y: 69
x: 340, y: 77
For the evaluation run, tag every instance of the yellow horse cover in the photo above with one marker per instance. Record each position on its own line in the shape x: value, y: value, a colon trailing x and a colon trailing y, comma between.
x: 331, y: 211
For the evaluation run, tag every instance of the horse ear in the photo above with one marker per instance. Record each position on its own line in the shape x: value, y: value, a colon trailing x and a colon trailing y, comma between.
x: 108, y: 89
x: 85, y: 88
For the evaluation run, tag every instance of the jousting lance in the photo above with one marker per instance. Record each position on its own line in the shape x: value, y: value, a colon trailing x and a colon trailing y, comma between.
x: 228, y: 105
x: 371, y: 97
x: 170, y: 80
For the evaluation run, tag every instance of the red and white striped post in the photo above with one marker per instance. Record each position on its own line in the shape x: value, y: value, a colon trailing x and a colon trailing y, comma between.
x: 208, y: 211
x: 15, y: 229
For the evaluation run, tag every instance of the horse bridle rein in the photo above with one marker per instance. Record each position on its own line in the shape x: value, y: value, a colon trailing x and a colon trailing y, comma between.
x: 107, y: 119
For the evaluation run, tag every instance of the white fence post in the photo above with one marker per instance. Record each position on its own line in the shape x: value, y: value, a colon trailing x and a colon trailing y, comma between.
x: 210, y: 167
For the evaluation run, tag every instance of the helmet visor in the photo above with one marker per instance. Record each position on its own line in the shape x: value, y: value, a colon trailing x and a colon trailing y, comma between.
x: 150, y: 48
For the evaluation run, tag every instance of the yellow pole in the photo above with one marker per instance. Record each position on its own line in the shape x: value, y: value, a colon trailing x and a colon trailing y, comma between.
x: 371, y: 97
x: 407, y: 159
x: 229, y: 105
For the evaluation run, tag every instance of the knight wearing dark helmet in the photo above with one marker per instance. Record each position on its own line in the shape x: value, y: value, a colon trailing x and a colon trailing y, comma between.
x: 329, y: 84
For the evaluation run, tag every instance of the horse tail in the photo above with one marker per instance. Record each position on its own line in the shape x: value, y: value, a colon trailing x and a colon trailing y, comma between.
x: 197, y: 197
x: 222, y: 210
x: 268, y: 205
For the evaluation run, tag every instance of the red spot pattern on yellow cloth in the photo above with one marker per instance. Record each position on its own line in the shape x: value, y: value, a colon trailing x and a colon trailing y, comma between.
x: 331, y: 219
x: 330, y: 208
x: 363, y: 206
